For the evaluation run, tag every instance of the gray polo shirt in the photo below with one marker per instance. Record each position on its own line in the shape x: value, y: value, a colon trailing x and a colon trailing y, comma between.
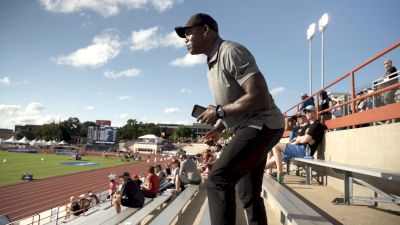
x: 229, y: 67
x: 189, y: 168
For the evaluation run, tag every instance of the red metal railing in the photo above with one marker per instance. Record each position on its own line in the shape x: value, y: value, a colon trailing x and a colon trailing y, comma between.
x: 377, y: 113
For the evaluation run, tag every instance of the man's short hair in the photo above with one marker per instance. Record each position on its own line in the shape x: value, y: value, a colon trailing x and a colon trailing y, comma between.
x: 387, y: 61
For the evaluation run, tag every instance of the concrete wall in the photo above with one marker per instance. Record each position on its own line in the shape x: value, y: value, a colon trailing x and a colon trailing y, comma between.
x: 374, y: 146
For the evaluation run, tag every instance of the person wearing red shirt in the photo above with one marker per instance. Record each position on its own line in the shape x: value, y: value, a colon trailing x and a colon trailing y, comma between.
x: 152, y: 184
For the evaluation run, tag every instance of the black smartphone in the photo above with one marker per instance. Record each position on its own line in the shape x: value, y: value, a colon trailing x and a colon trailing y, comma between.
x: 197, y: 110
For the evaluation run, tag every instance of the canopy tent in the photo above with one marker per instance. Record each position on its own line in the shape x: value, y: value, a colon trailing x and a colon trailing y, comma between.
x: 62, y: 143
x: 11, y: 140
x: 23, y: 140
x: 150, y: 138
x: 33, y: 142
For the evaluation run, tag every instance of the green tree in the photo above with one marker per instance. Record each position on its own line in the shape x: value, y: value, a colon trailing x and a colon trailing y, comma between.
x: 70, y: 130
x: 45, y: 132
x: 84, y: 128
x: 182, y: 132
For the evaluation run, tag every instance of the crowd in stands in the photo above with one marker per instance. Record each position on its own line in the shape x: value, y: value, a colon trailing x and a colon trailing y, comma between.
x: 306, y: 133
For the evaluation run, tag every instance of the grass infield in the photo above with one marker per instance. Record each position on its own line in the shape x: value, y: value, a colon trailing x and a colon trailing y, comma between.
x: 19, y: 163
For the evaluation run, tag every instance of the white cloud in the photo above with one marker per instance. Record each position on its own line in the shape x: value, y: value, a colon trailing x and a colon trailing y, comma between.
x: 147, y: 39
x: 90, y: 107
x: 11, y: 115
x: 189, y: 61
x: 125, y: 97
x: 105, y: 8
x: 172, y: 40
x: 124, y: 115
x: 5, y: 81
x: 133, y: 72
x: 186, y: 91
x: 103, y: 49
x: 171, y: 110
x: 35, y: 107
x: 277, y: 91
x: 24, y: 119
x: 9, y: 109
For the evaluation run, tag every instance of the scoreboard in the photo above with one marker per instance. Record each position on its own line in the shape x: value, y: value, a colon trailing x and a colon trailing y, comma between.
x: 106, y: 135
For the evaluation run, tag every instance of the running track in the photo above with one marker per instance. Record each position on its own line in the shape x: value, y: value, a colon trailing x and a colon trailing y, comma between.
x: 23, y: 200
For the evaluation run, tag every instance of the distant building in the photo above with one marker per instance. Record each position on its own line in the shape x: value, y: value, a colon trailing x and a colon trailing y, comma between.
x: 19, y: 128
x: 6, y: 133
x: 103, y: 123
x: 197, y: 129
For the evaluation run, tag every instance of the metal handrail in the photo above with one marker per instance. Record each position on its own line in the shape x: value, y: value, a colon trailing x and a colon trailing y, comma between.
x: 353, y: 94
x: 57, y: 215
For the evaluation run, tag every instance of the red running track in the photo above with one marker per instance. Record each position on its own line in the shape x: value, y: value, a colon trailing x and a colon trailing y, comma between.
x: 26, y: 199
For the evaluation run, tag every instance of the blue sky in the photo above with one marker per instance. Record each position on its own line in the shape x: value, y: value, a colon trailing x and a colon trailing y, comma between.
x: 120, y: 60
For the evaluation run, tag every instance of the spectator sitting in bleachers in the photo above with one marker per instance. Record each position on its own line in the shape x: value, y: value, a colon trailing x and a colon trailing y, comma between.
x: 162, y: 176
x: 308, y: 102
x: 326, y: 103
x: 130, y: 194
x: 336, y: 112
x: 302, y: 124
x: 291, y: 125
x: 72, y: 207
x: 188, y: 173
x: 84, y: 204
x: 112, y: 188
x: 93, y: 197
x: 170, y: 184
x: 313, y: 136
x: 152, y: 184
x: 207, y: 157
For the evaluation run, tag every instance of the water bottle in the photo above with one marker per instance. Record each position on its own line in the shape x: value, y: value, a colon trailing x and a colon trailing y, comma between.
x: 308, y: 153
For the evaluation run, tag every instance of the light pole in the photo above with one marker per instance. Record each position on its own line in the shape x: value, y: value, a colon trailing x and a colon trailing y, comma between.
x: 322, y: 25
x: 310, y: 35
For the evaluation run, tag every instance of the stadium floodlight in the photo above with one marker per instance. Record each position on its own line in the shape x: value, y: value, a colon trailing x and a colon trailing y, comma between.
x: 323, y: 22
x: 310, y: 35
x: 322, y: 25
x: 311, y: 31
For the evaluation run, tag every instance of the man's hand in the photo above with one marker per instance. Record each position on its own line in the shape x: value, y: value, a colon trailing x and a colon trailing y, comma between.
x: 208, y: 116
x: 211, y: 137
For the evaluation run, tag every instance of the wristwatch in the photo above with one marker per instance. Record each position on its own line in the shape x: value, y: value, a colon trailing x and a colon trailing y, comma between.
x: 219, y: 112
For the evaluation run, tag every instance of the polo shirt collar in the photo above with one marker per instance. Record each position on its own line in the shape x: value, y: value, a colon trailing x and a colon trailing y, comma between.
x: 215, y: 51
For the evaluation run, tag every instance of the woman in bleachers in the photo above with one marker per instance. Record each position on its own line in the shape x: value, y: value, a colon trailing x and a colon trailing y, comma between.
x: 170, y: 184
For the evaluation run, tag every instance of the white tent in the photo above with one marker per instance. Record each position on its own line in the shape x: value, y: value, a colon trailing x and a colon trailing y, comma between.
x: 62, y: 143
x: 23, y: 140
x: 151, y: 138
x: 11, y: 140
x: 34, y: 142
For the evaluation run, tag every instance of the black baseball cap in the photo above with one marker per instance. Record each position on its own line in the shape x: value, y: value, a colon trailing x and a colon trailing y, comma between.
x: 199, y: 19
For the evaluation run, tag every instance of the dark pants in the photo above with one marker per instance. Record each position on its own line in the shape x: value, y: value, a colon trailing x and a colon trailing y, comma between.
x: 241, y: 163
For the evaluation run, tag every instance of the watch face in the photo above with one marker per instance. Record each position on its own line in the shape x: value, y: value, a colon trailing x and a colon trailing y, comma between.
x: 220, y: 112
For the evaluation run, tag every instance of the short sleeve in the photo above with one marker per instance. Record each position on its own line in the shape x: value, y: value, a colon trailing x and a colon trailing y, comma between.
x: 239, y: 62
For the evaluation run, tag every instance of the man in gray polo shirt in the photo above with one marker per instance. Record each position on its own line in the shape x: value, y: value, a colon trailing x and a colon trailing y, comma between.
x: 243, y: 105
x: 188, y: 173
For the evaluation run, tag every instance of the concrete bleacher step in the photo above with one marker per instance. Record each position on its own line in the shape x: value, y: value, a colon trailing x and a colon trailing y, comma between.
x: 176, y: 206
x: 292, y: 209
x: 149, y: 208
x: 96, y: 217
x: 205, y: 218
